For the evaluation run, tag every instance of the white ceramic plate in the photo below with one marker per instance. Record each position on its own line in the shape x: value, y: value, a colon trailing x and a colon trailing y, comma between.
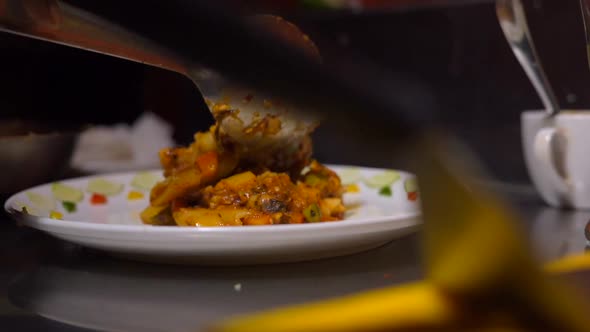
x: 373, y: 219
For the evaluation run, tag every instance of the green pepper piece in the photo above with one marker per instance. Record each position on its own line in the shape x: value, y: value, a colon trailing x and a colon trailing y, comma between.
x: 385, y: 191
x: 69, y: 206
x: 312, y: 179
x: 312, y: 213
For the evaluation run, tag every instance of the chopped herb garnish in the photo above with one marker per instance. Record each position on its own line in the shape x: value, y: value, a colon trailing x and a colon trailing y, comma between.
x: 312, y: 213
x: 385, y: 191
x: 69, y: 206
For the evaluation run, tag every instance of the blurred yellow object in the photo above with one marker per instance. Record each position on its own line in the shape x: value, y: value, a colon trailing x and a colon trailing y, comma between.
x: 480, y: 273
x: 569, y: 264
x: 393, y: 309
x: 418, y: 304
x: 475, y: 251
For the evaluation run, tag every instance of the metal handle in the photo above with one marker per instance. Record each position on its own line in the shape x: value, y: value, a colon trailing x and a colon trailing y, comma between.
x: 513, y: 22
x: 585, y: 6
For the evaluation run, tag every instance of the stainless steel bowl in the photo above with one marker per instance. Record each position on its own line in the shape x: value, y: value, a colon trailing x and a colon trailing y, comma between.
x: 30, y: 155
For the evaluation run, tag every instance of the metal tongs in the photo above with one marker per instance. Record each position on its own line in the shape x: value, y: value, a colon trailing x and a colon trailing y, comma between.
x: 479, y: 270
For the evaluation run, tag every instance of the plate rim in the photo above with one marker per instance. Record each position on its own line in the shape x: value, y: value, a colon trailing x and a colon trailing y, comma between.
x: 73, y: 225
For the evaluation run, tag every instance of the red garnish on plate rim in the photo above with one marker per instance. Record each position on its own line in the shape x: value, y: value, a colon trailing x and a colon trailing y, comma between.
x: 97, y: 199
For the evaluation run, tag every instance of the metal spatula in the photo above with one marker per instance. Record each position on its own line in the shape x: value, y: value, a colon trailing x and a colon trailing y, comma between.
x: 58, y: 22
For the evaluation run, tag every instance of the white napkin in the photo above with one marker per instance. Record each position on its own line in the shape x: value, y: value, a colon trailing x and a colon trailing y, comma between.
x: 122, y: 147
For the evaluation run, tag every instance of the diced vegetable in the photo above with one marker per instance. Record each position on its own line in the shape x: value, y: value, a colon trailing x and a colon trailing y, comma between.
x: 69, y: 206
x: 353, y: 188
x: 175, y: 186
x: 205, y: 141
x: 168, y: 157
x: 312, y: 179
x: 197, y: 217
x: 231, y: 216
x: 296, y: 218
x: 151, y: 212
x: 350, y: 175
x: 56, y: 215
x: 98, y: 199
x: 262, y: 219
x: 145, y: 181
x: 134, y: 195
x: 331, y: 206
x: 66, y: 193
x: 104, y: 187
x: 385, y: 191
x: 413, y: 196
x: 312, y: 213
x: 208, y: 164
x: 41, y: 201
x: 381, y: 180
x: 239, y: 180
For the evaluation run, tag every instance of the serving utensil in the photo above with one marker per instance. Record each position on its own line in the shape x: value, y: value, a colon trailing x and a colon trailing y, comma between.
x: 58, y: 22
x: 514, y: 25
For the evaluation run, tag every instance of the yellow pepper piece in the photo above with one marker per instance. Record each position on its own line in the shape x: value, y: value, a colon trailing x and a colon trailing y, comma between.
x: 56, y: 215
x: 135, y: 195
x: 353, y: 188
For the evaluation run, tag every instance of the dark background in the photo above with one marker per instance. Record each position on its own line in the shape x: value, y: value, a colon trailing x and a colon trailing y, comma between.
x: 458, y: 51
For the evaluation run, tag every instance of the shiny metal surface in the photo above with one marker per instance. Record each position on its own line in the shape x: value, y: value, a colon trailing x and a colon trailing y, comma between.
x: 58, y: 22
x: 514, y: 25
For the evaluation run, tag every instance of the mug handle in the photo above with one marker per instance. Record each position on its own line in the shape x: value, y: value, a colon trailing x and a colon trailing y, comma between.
x: 543, y: 150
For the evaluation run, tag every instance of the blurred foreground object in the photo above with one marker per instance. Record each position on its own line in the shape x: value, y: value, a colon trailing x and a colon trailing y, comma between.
x: 480, y: 273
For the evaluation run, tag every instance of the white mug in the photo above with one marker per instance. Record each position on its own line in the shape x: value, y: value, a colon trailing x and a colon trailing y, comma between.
x: 557, y: 154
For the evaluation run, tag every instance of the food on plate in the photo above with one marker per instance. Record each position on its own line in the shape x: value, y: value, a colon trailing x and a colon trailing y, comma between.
x: 253, y: 167
x: 215, y: 182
